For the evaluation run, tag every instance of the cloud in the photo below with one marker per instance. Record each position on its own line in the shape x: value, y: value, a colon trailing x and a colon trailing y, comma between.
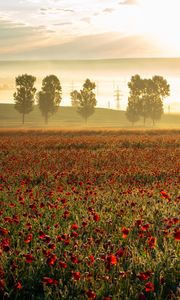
x: 50, y: 10
x: 107, y: 45
x: 62, y: 24
x: 128, y: 2
x: 15, y: 36
x: 108, y: 10
x: 86, y: 19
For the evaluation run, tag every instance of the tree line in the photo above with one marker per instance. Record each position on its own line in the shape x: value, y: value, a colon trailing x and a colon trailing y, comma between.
x: 145, y: 97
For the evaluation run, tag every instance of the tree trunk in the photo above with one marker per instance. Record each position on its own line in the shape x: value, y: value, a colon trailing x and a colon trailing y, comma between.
x: 23, y: 118
x: 46, y: 119
x: 144, y: 120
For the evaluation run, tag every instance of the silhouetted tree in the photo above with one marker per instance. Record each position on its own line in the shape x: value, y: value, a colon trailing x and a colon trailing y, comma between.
x: 131, y: 112
x: 74, y: 98
x: 146, y: 97
x: 160, y: 89
x: 50, y: 96
x: 24, y: 96
x: 87, y: 100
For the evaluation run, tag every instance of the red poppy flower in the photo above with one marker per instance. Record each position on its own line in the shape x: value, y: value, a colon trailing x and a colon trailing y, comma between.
x: 51, y: 260
x: 66, y: 214
x: 165, y: 195
x: 91, y: 295
x: 125, y: 232
x: 76, y: 275
x: 91, y: 257
x: 74, y: 259
x: 62, y: 265
x: 28, y: 239
x: 111, y: 259
x: 5, y: 245
x: 152, y: 242
x: 120, y: 252
x: 29, y: 258
x: 2, y: 284
x: 48, y: 280
x: 74, y: 234
x: 96, y: 217
x: 177, y: 235
x: 51, y: 246
x: 18, y: 285
x: 144, y: 275
x: 74, y: 226
x: 145, y: 227
x: 3, y: 231
x: 149, y: 287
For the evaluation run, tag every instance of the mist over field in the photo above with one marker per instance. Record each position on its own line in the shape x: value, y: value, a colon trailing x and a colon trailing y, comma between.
x: 108, y: 74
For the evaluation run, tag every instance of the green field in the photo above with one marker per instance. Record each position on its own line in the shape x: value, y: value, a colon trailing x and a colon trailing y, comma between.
x: 68, y: 117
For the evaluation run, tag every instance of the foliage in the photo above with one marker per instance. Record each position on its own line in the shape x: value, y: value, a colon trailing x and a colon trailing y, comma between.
x: 146, y: 98
x: 74, y: 98
x: 50, y: 96
x: 87, y: 100
x: 89, y: 215
x: 24, y: 96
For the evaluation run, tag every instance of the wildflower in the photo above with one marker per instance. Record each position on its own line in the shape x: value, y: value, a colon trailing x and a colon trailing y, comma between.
x: 48, y: 280
x: 51, y: 260
x: 91, y: 257
x: 91, y: 295
x: 120, y: 252
x: 74, y: 226
x: 152, y: 242
x: 125, y: 232
x: 29, y: 258
x: 76, y: 275
x: 18, y: 285
x: 177, y: 235
x: 3, y: 231
x: 149, y: 287
x: 28, y: 239
x: 144, y: 275
x: 96, y: 217
x: 62, y: 265
x: 2, y: 284
x: 165, y: 195
x: 111, y: 259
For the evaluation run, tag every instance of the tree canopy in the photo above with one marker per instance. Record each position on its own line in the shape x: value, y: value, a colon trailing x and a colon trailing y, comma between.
x: 50, y: 96
x: 24, y: 96
x: 86, y: 99
x: 146, y: 98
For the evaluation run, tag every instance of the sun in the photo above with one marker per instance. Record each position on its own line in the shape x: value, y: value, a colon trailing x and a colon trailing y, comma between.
x: 159, y: 19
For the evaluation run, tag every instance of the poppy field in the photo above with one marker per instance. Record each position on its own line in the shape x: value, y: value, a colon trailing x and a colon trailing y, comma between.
x: 89, y: 214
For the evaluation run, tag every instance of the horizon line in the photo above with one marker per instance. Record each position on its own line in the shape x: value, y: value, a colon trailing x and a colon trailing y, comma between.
x: 87, y: 59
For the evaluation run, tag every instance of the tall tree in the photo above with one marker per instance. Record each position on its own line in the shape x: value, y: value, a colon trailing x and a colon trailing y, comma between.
x: 87, y: 100
x: 74, y: 98
x: 160, y: 89
x: 24, y: 96
x: 146, y: 97
x: 132, y: 112
x: 50, y: 96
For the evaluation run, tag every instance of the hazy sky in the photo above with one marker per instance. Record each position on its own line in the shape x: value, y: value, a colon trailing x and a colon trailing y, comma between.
x: 89, y: 29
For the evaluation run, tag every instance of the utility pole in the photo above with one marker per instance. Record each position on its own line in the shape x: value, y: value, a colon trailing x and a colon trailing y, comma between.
x: 118, y: 97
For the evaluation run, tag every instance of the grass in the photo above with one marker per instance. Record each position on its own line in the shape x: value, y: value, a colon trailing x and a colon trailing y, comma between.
x: 89, y: 214
x: 68, y: 117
